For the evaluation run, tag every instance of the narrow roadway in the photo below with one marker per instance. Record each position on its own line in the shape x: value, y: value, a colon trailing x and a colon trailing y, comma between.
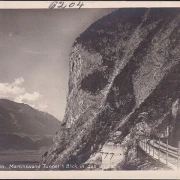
x: 159, y: 152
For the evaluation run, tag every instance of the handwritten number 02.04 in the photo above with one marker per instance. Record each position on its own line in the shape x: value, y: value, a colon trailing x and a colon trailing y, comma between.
x: 62, y: 4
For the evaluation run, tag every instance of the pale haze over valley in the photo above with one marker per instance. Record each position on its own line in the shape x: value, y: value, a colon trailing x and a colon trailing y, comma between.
x: 34, y: 48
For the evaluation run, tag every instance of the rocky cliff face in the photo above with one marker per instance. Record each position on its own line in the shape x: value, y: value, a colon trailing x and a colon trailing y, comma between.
x: 124, y: 70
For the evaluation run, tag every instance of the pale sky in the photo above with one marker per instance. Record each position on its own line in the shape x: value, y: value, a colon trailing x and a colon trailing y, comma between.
x: 34, y: 54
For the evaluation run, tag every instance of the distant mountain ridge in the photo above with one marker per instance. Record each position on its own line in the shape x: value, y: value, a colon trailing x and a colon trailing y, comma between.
x: 22, y: 118
x: 23, y: 127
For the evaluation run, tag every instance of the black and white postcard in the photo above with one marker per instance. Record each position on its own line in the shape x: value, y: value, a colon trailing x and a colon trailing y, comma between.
x: 89, y: 89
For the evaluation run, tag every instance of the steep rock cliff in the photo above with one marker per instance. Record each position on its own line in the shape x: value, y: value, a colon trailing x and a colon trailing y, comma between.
x: 124, y: 70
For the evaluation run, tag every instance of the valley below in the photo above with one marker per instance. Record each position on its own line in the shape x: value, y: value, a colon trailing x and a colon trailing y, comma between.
x: 15, y: 160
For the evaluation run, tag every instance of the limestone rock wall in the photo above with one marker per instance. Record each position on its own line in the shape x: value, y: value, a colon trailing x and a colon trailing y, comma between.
x: 123, y: 66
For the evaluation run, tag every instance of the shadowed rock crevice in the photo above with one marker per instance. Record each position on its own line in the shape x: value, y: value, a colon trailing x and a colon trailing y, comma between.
x: 92, y: 84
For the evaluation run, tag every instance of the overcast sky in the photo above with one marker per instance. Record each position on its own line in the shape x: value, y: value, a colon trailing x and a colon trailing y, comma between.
x: 34, y: 54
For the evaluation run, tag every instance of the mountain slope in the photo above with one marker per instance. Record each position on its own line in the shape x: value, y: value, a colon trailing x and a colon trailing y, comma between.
x: 21, y: 118
x: 124, y: 70
x: 23, y: 127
